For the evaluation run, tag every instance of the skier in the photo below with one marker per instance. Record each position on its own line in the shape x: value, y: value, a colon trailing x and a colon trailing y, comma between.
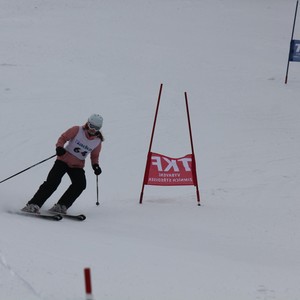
x: 82, y: 140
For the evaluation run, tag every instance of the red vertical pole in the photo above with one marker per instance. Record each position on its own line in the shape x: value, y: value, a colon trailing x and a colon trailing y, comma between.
x: 88, y: 284
x: 193, y: 153
x: 150, y: 146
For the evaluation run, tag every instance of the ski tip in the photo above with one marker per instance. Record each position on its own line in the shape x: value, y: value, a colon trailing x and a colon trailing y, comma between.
x: 73, y: 217
x: 81, y: 217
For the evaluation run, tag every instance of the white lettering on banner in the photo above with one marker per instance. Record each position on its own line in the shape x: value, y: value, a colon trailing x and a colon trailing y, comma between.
x: 172, y: 163
x: 185, y: 163
x: 168, y: 174
x: 164, y: 180
x: 157, y: 163
x: 169, y: 180
x: 182, y: 180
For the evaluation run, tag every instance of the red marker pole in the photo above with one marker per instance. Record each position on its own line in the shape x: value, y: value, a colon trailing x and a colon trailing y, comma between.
x: 88, y: 284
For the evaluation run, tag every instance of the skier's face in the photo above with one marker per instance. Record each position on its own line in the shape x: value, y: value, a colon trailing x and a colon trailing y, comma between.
x: 92, y: 129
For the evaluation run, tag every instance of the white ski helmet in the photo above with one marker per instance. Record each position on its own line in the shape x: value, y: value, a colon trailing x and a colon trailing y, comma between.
x: 95, y: 121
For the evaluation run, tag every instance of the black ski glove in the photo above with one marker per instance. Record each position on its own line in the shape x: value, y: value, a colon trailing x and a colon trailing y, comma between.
x: 60, y: 151
x: 97, y: 169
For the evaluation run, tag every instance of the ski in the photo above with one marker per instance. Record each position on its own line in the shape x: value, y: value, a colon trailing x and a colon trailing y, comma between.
x: 53, y: 217
x: 79, y: 217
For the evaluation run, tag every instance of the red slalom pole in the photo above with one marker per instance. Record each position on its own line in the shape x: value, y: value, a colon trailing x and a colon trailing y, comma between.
x: 192, y: 147
x: 151, y: 141
x: 88, y: 284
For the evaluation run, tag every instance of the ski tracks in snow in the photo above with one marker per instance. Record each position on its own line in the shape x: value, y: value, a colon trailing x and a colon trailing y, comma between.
x: 14, y: 279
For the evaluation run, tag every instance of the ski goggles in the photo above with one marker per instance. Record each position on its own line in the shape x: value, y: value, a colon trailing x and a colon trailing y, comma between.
x: 93, y: 127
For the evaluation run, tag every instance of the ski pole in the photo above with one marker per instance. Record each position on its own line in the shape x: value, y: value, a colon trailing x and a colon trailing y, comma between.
x: 97, y: 187
x: 27, y: 168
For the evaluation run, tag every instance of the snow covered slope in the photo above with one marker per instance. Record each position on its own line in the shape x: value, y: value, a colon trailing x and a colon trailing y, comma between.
x: 62, y: 60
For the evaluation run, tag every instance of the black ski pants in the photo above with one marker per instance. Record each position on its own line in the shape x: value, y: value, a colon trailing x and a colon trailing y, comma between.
x: 59, y: 169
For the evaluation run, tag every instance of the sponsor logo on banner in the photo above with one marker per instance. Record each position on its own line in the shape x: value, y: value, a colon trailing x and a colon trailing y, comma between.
x: 164, y: 170
x: 295, y: 50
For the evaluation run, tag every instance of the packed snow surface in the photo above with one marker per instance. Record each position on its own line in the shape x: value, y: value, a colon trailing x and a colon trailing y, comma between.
x: 62, y: 60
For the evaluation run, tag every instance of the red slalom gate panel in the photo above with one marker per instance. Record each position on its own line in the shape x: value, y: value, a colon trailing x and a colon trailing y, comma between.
x: 163, y: 170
